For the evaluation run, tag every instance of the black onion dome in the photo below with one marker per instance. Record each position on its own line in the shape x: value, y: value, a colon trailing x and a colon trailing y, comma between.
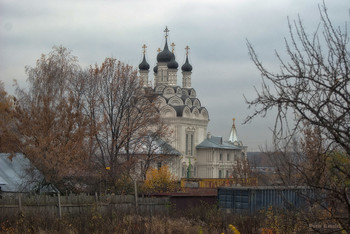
x: 173, y: 64
x: 144, y: 65
x: 165, y: 56
x: 155, y: 69
x: 187, y: 67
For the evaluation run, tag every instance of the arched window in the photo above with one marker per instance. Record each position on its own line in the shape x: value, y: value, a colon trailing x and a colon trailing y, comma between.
x: 183, y: 171
x: 189, y: 144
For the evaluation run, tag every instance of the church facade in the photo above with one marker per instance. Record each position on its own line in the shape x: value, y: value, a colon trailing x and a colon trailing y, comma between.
x: 202, y: 155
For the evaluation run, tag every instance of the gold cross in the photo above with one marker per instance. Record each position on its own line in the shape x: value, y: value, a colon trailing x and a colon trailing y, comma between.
x: 159, y: 50
x: 166, y: 31
x: 173, y: 47
x: 144, y: 48
x: 187, y: 49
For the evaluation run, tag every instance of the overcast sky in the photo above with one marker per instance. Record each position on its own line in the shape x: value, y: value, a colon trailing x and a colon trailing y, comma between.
x: 215, y: 30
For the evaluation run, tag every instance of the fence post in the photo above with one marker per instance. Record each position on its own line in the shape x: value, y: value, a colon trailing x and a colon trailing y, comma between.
x: 79, y: 205
x: 20, y: 203
x: 96, y: 200
x: 59, y: 205
x: 136, y: 196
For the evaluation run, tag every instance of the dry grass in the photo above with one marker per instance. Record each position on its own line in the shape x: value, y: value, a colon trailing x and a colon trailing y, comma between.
x: 94, y: 222
x: 204, y: 219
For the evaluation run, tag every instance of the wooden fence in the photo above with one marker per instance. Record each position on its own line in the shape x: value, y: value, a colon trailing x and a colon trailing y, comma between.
x: 72, y: 204
x: 218, y: 182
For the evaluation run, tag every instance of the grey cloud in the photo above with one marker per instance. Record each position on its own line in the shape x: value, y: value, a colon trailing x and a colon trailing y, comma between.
x: 216, y: 33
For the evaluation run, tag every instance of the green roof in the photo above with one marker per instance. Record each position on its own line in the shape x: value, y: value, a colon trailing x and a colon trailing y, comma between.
x: 217, y: 143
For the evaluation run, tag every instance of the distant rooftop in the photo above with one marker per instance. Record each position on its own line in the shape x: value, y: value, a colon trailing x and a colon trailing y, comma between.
x: 18, y: 174
x: 217, y: 143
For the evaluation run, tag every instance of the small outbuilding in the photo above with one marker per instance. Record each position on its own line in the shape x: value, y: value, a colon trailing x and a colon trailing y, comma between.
x: 18, y: 175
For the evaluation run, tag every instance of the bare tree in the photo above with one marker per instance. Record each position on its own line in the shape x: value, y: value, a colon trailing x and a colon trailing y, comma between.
x: 306, y: 162
x: 241, y: 168
x: 285, y: 158
x: 313, y: 85
x: 8, y: 138
x: 119, y: 112
x: 153, y: 149
x: 70, y: 122
x: 50, y: 125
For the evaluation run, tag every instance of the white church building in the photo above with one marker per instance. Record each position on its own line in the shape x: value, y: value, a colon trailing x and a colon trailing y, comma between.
x: 202, y: 155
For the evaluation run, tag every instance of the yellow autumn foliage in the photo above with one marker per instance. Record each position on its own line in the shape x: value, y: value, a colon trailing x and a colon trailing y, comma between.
x: 159, y: 181
x: 339, y: 166
x: 234, y: 229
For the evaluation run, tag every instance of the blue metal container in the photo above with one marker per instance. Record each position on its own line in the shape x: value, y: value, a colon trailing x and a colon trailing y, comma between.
x: 252, y: 199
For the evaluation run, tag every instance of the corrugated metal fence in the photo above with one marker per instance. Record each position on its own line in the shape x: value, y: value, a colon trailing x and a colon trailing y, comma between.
x: 252, y: 199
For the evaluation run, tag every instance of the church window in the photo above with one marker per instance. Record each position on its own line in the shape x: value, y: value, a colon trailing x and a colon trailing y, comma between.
x: 188, y: 171
x: 186, y: 143
x: 209, y: 172
x: 189, y: 143
x: 183, y: 171
x: 210, y: 156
